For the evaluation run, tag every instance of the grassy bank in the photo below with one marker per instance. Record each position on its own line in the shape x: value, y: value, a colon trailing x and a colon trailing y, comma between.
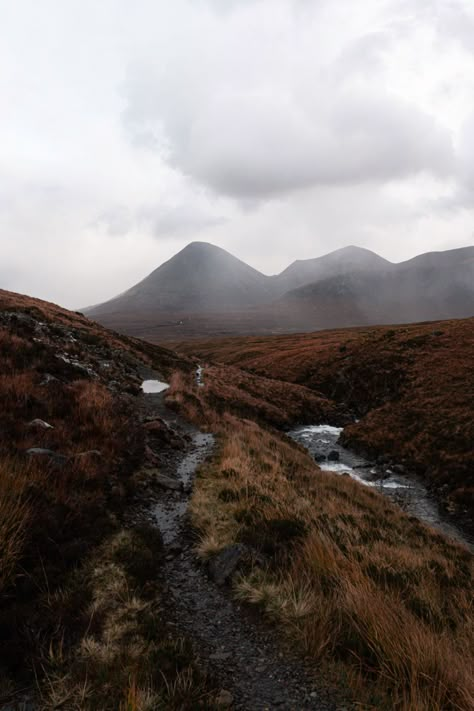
x: 354, y: 581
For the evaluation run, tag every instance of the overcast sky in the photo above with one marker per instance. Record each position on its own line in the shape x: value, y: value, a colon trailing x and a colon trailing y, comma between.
x: 277, y: 129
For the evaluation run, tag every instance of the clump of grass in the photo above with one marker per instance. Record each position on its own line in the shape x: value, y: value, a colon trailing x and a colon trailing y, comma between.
x: 124, y: 656
x: 14, y: 518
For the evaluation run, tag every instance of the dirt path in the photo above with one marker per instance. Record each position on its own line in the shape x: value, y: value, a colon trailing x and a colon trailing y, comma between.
x: 243, y: 654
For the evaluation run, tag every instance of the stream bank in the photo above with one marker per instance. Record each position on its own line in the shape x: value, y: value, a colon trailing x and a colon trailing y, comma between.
x: 400, y: 486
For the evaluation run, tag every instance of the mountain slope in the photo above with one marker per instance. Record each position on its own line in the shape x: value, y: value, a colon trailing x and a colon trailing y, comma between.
x: 200, y: 278
x: 341, y: 261
x: 204, y: 290
x: 101, y: 608
x: 431, y: 286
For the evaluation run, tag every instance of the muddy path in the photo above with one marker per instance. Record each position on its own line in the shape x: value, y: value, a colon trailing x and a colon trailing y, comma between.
x: 250, y: 663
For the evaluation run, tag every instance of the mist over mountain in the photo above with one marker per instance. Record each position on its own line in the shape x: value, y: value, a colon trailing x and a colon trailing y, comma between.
x: 431, y: 286
x: 341, y: 261
x: 200, y: 278
x: 204, y: 290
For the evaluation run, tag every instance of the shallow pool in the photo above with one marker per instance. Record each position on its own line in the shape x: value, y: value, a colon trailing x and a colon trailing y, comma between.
x: 152, y: 387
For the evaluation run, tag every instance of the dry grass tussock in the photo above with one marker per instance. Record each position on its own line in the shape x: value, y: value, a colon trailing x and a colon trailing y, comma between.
x: 14, y: 517
x: 349, y: 576
x: 123, y: 656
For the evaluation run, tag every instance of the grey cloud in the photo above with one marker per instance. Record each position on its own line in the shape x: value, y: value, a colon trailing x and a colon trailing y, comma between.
x: 225, y: 7
x: 463, y: 196
x: 169, y: 106
x: 175, y: 221
x: 450, y: 19
x: 251, y: 122
x: 178, y: 221
x: 10, y: 276
x: 457, y: 20
x: 364, y: 55
x: 264, y: 142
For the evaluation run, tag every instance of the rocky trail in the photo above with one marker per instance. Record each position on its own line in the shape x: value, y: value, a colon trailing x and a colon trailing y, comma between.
x: 250, y: 664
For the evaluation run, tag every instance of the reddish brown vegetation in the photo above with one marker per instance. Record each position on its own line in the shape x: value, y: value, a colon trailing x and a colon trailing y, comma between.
x: 60, y: 369
x: 348, y: 575
x: 412, y: 386
x: 272, y: 401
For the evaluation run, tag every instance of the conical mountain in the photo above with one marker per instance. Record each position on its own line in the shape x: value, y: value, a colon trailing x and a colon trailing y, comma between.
x: 201, y: 278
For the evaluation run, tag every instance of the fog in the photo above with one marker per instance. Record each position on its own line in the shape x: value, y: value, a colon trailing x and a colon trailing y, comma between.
x: 277, y: 129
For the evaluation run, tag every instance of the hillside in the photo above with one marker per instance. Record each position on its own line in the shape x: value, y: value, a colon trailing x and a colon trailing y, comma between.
x: 200, y: 278
x: 349, y: 578
x: 411, y: 386
x: 436, y: 284
x: 73, y: 572
x: 341, y: 261
x: 119, y: 569
x: 203, y: 290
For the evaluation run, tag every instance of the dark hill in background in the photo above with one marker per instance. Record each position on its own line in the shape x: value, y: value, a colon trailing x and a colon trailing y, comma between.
x: 341, y: 261
x: 205, y: 291
x: 438, y: 285
x: 200, y: 278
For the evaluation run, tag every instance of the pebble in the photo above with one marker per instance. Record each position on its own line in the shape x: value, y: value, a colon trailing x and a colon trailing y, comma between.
x: 40, y: 424
x: 225, y: 699
x: 220, y: 656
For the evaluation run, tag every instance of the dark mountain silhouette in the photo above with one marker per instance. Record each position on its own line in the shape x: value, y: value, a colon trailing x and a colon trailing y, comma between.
x: 204, y: 290
x: 431, y: 286
x: 200, y: 278
x: 341, y: 261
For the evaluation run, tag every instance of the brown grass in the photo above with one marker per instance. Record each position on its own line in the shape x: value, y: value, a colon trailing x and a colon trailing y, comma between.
x: 123, y: 656
x: 81, y: 606
x: 14, y: 518
x: 348, y: 575
x: 274, y: 402
x: 58, y: 367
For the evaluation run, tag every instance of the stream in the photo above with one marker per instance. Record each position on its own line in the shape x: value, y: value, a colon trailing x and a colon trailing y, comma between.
x: 406, y: 490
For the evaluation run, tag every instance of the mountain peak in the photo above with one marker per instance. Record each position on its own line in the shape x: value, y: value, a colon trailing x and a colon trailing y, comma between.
x: 200, y: 278
x: 198, y: 247
x: 342, y: 260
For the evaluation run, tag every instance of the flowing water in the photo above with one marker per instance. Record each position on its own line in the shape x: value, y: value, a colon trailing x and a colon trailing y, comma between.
x: 408, y: 491
x: 199, y: 376
x: 169, y: 511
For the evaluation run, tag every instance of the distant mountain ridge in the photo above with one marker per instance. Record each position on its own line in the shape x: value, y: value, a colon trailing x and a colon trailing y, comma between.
x: 205, y: 290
